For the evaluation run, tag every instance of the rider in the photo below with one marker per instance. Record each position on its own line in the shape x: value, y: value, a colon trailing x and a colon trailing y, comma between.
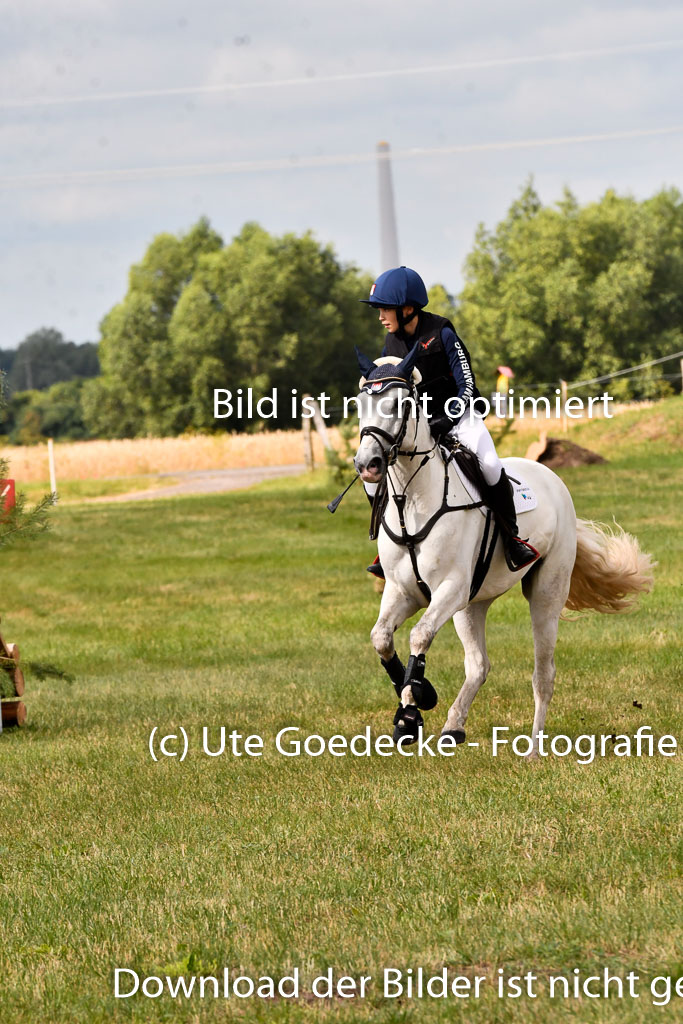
x: 444, y: 362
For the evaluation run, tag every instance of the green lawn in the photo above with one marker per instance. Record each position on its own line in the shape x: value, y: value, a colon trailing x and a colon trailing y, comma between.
x: 252, y: 610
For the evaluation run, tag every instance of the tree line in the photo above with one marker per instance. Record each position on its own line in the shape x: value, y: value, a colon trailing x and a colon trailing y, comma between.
x: 43, y: 378
x: 555, y: 291
x: 577, y: 292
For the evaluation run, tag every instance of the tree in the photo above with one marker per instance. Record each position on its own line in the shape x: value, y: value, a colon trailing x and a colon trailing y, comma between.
x: 268, y: 313
x: 576, y: 292
x: 6, y: 359
x: 45, y: 358
x: 442, y: 303
x: 259, y: 313
x: 30, y: 417
x: 136, y: 393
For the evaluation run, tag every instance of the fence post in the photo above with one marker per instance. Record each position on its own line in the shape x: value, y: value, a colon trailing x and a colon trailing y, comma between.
x: 51, y: 460
x: 319, y: 424
x: 309, y: 458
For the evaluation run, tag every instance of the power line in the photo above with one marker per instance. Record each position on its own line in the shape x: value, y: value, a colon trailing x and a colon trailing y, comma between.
x: 351, y: 76
x: 97, y: 177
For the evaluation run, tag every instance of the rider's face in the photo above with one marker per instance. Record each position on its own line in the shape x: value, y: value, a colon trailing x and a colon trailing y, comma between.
x: 389, y: 320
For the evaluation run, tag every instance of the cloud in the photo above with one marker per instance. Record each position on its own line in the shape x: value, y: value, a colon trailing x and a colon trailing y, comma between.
x: 84, y: 238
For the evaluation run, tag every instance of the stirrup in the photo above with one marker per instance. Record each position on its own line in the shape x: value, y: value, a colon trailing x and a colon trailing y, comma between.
x: 376, y: 569
x: 519, y: 553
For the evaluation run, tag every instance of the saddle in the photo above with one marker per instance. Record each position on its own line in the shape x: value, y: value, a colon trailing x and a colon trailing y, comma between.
x: 466, y: 460
x: 468, y: 468
x: 454, y: 450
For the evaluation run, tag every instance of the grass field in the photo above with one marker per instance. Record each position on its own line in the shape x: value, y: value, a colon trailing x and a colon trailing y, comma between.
x: 252, y: 610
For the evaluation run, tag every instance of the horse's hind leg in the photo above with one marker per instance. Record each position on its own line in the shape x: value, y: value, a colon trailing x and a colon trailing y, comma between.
x: 546, y: 591
x: 470, y: 625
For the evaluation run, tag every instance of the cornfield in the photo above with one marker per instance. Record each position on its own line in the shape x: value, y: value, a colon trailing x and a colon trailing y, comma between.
x: 98, y: 460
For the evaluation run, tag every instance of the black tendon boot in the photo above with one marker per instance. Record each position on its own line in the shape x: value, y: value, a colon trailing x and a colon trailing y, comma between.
x: 518, y: 553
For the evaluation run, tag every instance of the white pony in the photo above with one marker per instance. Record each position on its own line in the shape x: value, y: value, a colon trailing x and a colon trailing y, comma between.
x: 582, y: 564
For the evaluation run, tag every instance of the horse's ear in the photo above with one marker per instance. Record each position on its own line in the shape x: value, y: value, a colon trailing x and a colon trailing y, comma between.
x: 405, y: 367
x: 366, y: 365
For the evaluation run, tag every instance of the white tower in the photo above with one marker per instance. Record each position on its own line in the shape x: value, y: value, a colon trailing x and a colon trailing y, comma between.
x: 387, y: 212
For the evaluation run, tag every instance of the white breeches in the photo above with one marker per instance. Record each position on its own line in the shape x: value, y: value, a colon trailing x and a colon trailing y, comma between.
x: 472, y: 432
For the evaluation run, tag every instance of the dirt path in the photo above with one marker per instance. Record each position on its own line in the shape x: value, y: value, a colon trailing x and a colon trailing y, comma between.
x: 208, y: 481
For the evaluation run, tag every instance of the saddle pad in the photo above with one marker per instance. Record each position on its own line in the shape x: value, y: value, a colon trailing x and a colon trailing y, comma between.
x: 525, y: 499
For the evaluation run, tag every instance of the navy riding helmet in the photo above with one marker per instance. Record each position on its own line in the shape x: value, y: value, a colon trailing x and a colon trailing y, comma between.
x: 396, y: 288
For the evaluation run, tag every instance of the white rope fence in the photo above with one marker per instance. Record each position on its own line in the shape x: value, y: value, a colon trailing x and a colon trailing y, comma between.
x: 629, y: 369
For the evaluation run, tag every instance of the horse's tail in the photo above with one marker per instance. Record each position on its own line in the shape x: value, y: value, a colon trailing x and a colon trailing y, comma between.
x: 610, y: 570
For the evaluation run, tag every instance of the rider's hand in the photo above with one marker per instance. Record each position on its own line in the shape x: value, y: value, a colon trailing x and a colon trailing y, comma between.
x: 441, y: 425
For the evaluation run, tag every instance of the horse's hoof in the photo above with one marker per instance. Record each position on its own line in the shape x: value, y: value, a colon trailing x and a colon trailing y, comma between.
x: 407, y: 723
x: 424, y: 694
x: 458, y: 735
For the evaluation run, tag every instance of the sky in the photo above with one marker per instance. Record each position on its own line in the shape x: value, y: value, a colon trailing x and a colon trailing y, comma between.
x: 119, y: 120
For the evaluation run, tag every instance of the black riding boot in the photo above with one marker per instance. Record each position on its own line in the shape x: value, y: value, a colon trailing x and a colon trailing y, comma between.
x: 376, y: 568
x: 500, y: 499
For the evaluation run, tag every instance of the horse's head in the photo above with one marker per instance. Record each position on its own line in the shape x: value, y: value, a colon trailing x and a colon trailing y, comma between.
x: 384, y: 411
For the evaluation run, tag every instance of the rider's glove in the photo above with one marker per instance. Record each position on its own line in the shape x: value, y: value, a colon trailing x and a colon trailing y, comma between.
x: 441, y: 425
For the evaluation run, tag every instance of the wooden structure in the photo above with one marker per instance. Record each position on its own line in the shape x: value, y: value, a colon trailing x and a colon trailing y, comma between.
x: 309, y: 457
x: 12, y: 710
x: 307, y: 433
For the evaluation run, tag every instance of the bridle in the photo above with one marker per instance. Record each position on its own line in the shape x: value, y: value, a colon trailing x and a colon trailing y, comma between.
x: 378, y: 434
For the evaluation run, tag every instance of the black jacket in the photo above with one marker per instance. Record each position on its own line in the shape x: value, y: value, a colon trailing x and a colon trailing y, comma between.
x: 443, y: 361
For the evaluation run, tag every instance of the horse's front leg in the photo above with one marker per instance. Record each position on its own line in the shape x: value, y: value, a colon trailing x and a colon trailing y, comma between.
x: 395, y: 608
x: 450, y: 597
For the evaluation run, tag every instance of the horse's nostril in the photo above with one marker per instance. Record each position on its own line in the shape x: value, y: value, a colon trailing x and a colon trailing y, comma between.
x: 374, y: 465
